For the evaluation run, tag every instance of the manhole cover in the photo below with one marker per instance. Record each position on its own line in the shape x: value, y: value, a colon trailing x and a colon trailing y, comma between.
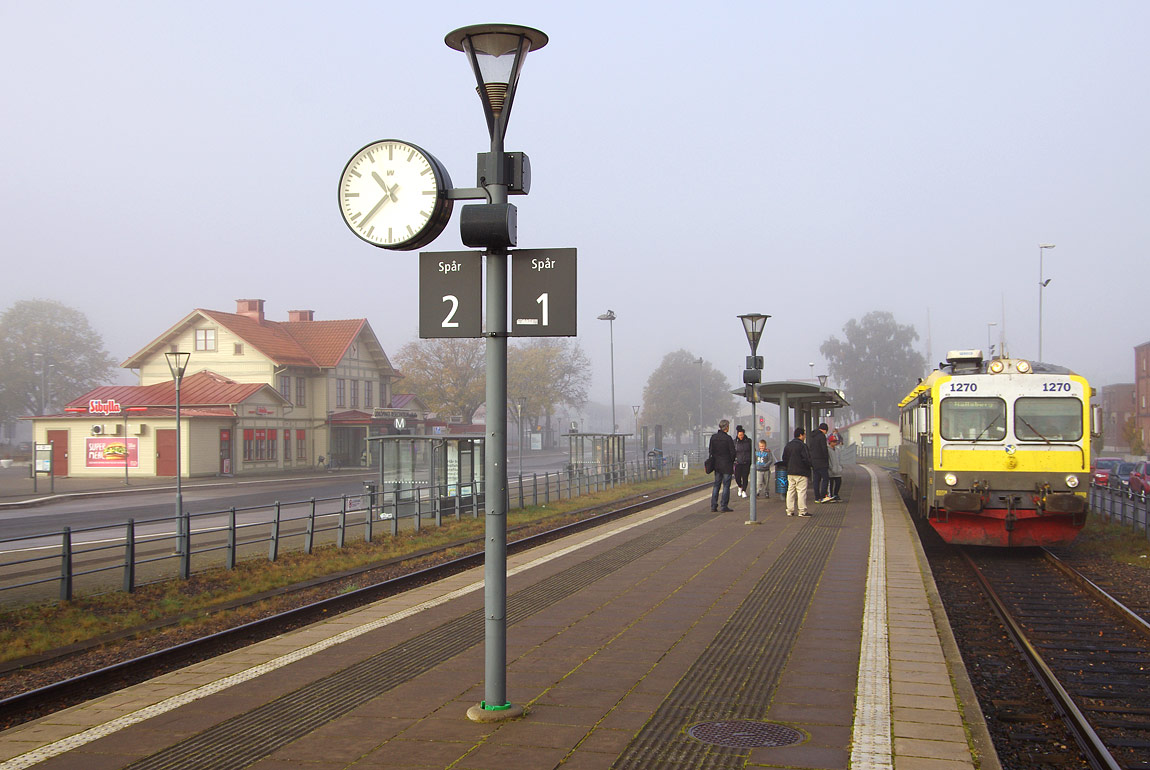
x: 744, y: 735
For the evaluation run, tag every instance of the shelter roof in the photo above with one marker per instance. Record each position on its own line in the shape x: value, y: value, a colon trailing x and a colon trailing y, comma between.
x: 799, y: 393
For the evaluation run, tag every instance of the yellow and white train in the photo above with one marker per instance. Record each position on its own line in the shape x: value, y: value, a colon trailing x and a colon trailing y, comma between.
x: 998, y: 452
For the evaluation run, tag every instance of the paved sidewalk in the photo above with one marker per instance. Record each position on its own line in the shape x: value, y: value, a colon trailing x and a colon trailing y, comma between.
x: 675, y: 638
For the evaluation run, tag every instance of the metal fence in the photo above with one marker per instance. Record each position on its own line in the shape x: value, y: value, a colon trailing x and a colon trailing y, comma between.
x: 122, y: 556
x: 1120, y: 506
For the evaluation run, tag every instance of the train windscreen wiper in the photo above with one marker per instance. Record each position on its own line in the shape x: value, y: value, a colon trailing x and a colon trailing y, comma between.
x: 1036, y: 433
x: 997, y: 417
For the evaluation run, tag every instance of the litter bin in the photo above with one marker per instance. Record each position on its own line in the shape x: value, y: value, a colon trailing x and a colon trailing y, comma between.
x: 780, y: 479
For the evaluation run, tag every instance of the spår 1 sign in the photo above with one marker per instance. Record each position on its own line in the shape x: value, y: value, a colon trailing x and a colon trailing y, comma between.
x: 543, y: 293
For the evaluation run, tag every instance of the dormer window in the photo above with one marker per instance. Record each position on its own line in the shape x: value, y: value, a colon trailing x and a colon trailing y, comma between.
x: 205, y: 339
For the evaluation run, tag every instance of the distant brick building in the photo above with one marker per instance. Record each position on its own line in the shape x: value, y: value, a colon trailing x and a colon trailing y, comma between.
x: 1117, y: 403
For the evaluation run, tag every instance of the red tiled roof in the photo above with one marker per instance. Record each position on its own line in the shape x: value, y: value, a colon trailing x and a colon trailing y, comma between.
x: 269, y: 337
x: 325, y: 341
x: 320, y: 344
x: 201, y: 389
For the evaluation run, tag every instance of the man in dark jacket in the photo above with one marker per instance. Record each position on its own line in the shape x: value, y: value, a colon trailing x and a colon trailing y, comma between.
x: 743, y: 453
x: 797, y: 459
x: 723, y: 454
x: 820, y: 462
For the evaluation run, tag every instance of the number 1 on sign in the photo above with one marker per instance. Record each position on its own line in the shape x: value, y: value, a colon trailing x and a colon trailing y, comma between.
x: 542, y: 300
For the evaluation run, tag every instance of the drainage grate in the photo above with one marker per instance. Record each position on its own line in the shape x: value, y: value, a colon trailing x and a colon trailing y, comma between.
x: 744, y: 735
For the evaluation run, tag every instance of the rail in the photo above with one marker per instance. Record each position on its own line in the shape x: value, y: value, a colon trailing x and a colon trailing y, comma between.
x: 129, y: 554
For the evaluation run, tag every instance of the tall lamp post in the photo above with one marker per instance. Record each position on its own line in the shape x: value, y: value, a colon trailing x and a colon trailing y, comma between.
x: 43, y: 381
x: 178, y: 363
x: 609, y: 317
x: 702, y: 425
x: 1042, y: 284
x: 823, y: 384
x: 753, y: 325
x: 496, y: 53
x: 520, y: 405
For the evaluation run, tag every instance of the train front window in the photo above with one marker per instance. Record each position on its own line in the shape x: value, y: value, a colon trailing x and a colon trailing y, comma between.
x: 973, y: 419
x: 1048, y: 419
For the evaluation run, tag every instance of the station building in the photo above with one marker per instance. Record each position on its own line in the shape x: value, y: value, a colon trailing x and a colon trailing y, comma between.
x: 257, y: 396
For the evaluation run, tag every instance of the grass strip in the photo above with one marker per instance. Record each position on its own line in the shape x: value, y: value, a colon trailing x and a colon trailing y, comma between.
x: 218, y: 597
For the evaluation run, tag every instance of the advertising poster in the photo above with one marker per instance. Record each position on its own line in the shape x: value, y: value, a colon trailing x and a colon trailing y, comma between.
x: 111, y: 452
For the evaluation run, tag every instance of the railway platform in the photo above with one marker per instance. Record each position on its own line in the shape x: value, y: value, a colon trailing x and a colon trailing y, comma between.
x: 674, y: 638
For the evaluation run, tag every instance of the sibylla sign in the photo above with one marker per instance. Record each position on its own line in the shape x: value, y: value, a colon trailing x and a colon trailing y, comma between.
x: 96, y: 406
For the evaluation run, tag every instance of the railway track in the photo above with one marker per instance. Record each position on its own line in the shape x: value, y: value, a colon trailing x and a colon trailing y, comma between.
x: 60, y: 694
x: 1090, y: 653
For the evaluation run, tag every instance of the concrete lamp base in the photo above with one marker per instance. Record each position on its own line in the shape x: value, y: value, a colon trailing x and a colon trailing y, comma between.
x: 480, y: 713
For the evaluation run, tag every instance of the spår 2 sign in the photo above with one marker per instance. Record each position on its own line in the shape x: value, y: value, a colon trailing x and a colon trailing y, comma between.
x: 450, y: 294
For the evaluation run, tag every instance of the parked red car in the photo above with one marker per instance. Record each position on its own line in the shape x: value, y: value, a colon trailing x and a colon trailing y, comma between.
x: 1140, y: 479
x: 1102, y: 469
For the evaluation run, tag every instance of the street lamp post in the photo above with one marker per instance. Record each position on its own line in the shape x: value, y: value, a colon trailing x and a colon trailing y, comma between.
x: 753, y: 325
x: 1042, y: 284
x: 43, y: 382
x: 496, y: 53
x: 609, y: 317
x: 178, y: 363
x: 520, y: 405
x: 823, y: 384
x: 702, y: 425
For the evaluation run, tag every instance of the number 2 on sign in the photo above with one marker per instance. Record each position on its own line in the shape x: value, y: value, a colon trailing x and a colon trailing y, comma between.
x: 447, y: 322
x: 542, y: 300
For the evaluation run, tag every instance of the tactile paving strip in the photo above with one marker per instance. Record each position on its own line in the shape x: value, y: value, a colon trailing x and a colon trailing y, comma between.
x: 756, y: 641
x: 244, y: 739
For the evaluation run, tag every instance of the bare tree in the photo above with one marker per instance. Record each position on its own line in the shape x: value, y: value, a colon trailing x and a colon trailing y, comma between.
x: 877, y: 363
x: 548, y: 373
x: 49, y: 355
x: 448, y: 375
x: 672, y: 394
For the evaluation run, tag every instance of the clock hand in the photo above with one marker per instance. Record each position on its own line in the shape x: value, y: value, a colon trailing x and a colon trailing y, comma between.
x: 374, y: 209
x: 383, y: 184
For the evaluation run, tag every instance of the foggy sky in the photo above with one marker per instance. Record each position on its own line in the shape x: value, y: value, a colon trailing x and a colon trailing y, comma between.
x: 812, y: 161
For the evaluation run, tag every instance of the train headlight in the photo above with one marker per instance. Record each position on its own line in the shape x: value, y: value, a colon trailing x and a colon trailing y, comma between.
x: 1072, y: 481
x: 950, y: 479
x: 1023, y: 366
x: 996, y: 367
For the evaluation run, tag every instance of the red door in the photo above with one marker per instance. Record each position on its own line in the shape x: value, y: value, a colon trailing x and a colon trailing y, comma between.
x: 225, y: 451
x: 165, y: 453
x: 59, y: 441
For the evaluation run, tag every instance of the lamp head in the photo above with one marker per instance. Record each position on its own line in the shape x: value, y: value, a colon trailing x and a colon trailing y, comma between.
x: 608, y: 316
x: 753, y: 325
x: 178, y: 363
x: 822, y: 380
x: 496, y: 53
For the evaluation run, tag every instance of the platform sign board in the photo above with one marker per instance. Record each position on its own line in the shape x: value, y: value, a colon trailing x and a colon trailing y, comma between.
x: 543, y: 293
x: 450, y: 294
x: 43, y: 458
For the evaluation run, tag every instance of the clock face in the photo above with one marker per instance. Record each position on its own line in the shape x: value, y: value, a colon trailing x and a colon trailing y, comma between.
x: 394, y: 195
